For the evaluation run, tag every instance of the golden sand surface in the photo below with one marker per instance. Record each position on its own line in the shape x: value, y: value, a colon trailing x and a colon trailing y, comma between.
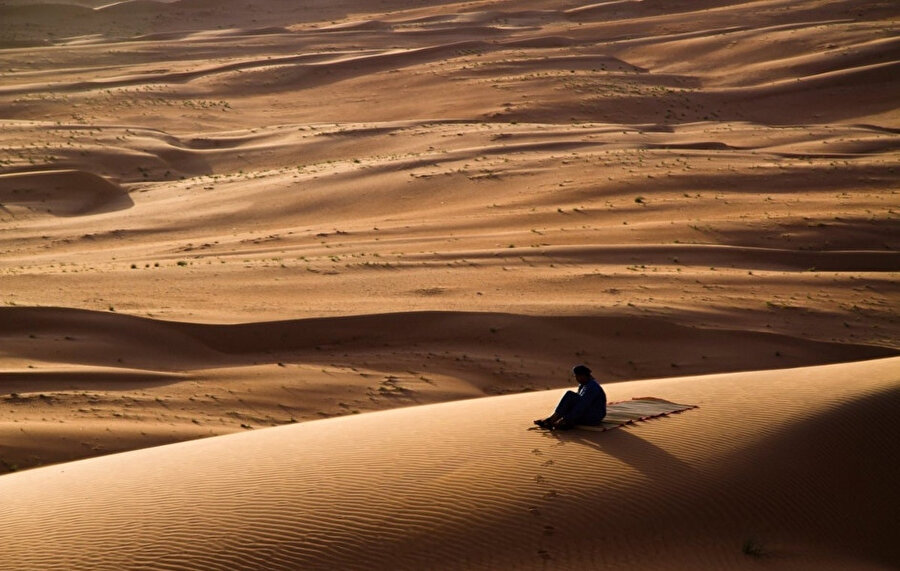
x: 780, y: 469
x: 220, y: 217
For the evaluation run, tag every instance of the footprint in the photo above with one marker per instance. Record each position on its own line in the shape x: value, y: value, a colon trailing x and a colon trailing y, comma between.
x: 548, y: 463
x: 551, y: 494
x: 549, y: 530
x: 545, y: 555
x: 537, y: 452
x: 534, y: 511
x: 540, y: 479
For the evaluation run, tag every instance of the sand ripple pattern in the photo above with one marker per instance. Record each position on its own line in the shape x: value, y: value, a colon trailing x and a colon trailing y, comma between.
x: 467, y: 485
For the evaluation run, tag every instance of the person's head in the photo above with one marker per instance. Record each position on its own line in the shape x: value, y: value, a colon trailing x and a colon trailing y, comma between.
x: 582, y: 374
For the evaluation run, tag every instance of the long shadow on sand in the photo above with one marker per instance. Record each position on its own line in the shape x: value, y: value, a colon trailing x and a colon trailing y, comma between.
x: 39, y: 381
x: 645, y: 457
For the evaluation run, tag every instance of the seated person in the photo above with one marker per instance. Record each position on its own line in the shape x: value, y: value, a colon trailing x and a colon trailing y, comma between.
x: 587, y: 406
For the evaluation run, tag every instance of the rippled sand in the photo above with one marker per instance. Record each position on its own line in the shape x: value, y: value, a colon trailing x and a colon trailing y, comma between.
x: 218, y: 217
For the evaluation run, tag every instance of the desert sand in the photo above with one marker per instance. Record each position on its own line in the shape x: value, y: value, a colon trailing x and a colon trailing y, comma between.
x: 282, y: 285
x: 796, y: 462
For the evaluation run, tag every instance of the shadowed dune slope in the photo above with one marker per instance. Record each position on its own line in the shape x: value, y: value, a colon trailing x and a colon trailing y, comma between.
x: 788, y: 460
x: 100, y: 338
x: 62, y: 192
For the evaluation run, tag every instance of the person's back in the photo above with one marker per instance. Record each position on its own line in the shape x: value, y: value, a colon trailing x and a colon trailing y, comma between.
x: 593, y: 408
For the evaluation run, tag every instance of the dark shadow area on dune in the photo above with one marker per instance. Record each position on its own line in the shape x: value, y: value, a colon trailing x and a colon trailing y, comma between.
x: 755, y: 253
x: 43, y: 23
x: 812, y: 101
x: 462, y: 344
x: 647, y: 458
x: 39, y: 381
x: 825, y: 235
x: 788, y: 181
x: 856, y: 442
x: 63, y: 192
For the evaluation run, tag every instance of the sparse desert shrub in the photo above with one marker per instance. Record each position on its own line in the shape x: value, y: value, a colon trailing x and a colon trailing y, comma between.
x: 752, y: 548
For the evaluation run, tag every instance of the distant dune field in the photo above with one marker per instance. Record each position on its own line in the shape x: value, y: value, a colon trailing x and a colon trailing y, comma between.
x: 283, y: 284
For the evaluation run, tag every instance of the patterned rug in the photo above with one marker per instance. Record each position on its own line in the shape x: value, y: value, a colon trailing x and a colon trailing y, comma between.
x: 634, y: 410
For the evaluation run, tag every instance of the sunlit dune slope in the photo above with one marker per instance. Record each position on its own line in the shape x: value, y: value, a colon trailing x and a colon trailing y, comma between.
x: 76, y: 383
x: 793, y: 463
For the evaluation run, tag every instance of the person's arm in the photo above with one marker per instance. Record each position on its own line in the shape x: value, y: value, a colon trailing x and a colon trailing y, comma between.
x: 585, y: 400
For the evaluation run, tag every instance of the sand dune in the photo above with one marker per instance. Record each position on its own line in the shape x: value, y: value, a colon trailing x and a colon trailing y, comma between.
x: 61, y: 192
x: 771, y: 457
x: 217, y: 217
x: 106, y: 339
x: 114, y: 376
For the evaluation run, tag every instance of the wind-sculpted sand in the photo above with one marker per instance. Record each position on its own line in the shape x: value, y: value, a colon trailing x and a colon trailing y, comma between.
x: 217, y: 217
x: 466, y: 485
